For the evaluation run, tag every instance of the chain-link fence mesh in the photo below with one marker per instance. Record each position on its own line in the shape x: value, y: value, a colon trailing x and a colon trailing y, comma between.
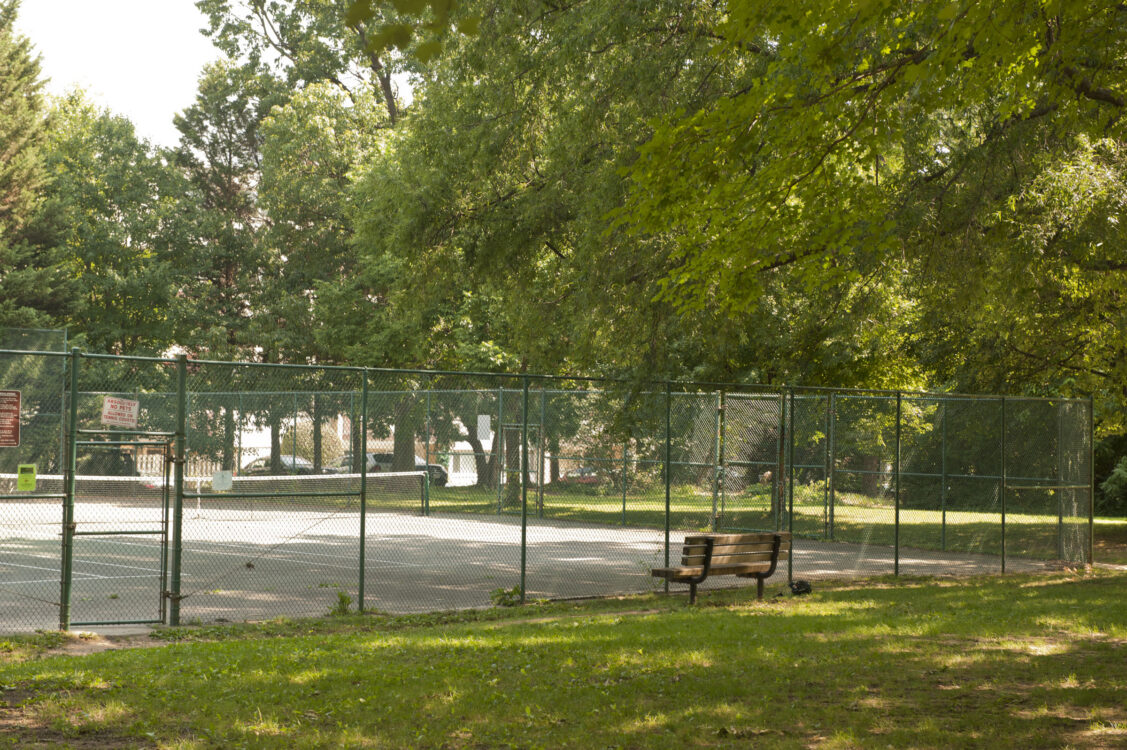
x: 208, y: 491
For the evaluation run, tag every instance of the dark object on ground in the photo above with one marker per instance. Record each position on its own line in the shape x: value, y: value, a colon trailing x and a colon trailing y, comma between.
x: 743, y: 555
x: 800, y: 587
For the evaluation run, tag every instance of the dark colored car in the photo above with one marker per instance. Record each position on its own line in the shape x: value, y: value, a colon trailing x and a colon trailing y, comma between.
x: 289, y: 465
x: 384, y: 461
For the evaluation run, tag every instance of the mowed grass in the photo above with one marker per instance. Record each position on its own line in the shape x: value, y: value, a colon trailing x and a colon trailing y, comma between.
x: 1013, y: 662
x: 1111, y: 540
x: 856, y: 518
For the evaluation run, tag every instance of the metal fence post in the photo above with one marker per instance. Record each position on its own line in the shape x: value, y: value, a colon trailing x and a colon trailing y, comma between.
x: 1061, y: 472
x: 720, y: 452
x: 668, y: 465
x: 943, y: 476
x: 833, y: 459
x: 523, y: 487
x: 67, y: 562
x: 426, y: 451
x: 625, y: 458
x: 178, y: 460
x: 363, y: 443
x: 1002, y: 484
x: 715, y: 462
x: 826, y: 469
x: 777, y: 485
x: 790, y: 484
x: 540, y: 470
x: 499, y: 446
x: 896, y: 559
x: 1091, y: 479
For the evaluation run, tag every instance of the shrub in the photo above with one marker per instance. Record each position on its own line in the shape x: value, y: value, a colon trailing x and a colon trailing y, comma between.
x: 1112, y: 497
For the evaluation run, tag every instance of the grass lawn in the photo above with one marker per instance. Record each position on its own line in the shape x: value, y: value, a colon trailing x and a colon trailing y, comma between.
x: 857, y: 518
x: 1014, y: 662
x: 1111, y: 540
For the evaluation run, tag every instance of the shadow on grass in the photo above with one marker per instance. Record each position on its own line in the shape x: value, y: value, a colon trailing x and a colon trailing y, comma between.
x: 1017, y: 662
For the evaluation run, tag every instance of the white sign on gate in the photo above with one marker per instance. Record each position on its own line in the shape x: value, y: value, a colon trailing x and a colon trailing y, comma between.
x: 120, y: 412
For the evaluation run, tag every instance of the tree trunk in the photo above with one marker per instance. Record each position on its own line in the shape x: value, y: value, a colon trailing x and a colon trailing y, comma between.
x: 512, y: 467
x: 406, y: 425
x: 275, y: 445
x: 483, y: 466
x: 228, y: 457
x: 554, y: 461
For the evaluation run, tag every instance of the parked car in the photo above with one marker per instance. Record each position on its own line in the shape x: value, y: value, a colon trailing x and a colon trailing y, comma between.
x: 384, y: 461
x: 289, y: 465
x: 582, y: 475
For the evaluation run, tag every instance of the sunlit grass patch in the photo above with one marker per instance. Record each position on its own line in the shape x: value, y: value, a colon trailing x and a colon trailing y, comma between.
x: 928, y: 663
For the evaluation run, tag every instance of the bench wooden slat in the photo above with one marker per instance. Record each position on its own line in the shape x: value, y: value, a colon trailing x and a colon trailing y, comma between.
x: 731, y: 549
x: 721, y: 559
x: 719, y: 539
x: 686, y: 571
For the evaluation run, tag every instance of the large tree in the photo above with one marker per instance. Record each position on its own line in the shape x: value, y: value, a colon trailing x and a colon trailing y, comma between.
x: 33, y: 288
x: 486, y: 227
x: 117, y: 205
x: 971, y: 148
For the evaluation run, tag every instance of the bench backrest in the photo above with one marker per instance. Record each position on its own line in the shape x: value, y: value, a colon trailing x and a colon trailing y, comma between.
x: 734, y: 549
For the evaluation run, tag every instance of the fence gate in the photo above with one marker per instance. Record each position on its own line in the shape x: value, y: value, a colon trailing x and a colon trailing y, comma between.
x: 115, y: 535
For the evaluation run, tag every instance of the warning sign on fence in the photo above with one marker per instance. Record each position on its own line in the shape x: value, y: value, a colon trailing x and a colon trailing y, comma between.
x: 120, y: 412
x: 9, y: 419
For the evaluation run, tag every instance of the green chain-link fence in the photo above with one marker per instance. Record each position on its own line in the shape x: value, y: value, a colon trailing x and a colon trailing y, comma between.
x: 173, y: 490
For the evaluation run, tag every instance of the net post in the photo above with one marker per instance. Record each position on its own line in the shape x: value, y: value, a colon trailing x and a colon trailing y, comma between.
x: 1002, y: 485
x: 896, y: 534
x: 67, y: 562
x: 668, y: 465
x: 523, y: 487
x: 179, y: 448
x: 363, y: 482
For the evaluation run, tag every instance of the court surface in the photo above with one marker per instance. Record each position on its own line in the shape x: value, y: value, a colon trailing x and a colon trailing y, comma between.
x: 253, y: 564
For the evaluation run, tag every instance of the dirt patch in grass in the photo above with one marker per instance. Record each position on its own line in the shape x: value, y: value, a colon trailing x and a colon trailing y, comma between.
x: 19, y: 725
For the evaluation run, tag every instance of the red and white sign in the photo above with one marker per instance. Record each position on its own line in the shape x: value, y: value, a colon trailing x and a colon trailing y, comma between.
x: 9, y: 419
x: 120, y: 412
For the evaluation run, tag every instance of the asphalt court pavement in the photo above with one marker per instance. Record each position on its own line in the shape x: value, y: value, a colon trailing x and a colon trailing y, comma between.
x: 253, y: 565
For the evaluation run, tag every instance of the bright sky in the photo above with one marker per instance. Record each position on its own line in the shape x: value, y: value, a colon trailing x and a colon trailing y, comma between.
x: 139, y: 58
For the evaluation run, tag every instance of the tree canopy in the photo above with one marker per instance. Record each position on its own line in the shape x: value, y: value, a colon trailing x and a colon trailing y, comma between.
x: 882, y: 194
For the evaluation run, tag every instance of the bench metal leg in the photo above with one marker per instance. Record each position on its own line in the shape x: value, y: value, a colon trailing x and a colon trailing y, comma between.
x: 759, y: 587
x: 692, y: 593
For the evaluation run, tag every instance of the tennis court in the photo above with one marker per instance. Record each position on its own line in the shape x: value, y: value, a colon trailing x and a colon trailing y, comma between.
x: 250, y: 564
x: 255, y: 456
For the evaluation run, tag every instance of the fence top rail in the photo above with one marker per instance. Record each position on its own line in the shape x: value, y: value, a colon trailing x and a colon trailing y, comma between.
x: 33, y: 353
x: 716, y: 386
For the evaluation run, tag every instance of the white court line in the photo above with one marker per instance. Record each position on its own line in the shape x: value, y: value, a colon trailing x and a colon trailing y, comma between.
x: 289, y: 558
x: 32, y: 567
x: 80, y: 561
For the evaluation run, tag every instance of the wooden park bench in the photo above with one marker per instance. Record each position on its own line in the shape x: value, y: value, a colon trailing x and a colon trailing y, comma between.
x: 743, y: 555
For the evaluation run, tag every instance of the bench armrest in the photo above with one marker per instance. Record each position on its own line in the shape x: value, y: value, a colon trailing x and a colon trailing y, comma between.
x: 708, y: 546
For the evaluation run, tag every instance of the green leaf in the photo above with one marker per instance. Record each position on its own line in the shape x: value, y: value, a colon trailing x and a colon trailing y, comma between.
x: 359, y: 12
